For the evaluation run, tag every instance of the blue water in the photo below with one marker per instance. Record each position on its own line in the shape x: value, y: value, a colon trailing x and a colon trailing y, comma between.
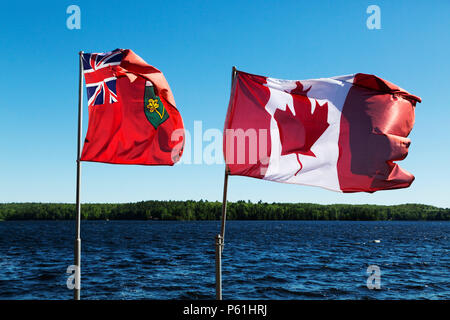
x: 262, y: 259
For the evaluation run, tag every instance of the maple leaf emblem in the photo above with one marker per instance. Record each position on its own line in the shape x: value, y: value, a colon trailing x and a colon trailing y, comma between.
x: 299, y: 132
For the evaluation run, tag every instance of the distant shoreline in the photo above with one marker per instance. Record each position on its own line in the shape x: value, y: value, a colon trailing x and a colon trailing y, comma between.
x: 157, y: 220
x: 206, y: 210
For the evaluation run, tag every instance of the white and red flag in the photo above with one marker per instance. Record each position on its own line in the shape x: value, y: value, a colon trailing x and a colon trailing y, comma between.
x: 341, y: 133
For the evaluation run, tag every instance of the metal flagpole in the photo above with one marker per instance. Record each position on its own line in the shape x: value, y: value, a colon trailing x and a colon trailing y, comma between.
x: 77, y: 262
x: 220, y: 238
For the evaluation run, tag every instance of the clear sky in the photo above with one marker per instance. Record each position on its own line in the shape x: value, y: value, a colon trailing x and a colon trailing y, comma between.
x: 195, y: 44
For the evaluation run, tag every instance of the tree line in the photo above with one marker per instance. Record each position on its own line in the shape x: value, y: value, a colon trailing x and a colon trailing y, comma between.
x: 206, y: 210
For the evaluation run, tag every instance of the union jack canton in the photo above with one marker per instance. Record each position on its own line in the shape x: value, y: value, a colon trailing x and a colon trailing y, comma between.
x: 99, y: 76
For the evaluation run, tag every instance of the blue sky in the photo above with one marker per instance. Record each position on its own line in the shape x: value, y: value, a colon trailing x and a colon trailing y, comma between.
x: 195, y: 44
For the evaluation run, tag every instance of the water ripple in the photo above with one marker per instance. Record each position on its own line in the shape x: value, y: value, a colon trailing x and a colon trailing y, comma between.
x: 261, y: 260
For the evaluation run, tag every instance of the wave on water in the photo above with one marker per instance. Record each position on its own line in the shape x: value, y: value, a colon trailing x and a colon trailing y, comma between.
x: 261, y: 259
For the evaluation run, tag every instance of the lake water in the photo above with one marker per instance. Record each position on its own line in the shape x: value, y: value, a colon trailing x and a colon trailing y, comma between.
x: 261, y: 259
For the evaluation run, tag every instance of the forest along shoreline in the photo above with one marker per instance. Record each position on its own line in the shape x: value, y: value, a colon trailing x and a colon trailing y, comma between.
x: 207, y: 210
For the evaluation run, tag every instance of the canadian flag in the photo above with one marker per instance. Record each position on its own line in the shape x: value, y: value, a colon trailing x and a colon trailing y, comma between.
x: 342, y: 133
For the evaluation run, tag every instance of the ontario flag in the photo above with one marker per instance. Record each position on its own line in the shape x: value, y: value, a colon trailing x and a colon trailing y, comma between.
x: 342, y: 133
x: 133, y: 118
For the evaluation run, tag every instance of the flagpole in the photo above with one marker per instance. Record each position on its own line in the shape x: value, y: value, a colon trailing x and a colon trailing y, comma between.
x: 77, y: 262
x: 220, y: 238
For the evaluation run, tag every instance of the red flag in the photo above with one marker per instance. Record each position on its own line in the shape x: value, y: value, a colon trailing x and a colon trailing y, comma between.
x: 132, y: 114
x: 342, y: 133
